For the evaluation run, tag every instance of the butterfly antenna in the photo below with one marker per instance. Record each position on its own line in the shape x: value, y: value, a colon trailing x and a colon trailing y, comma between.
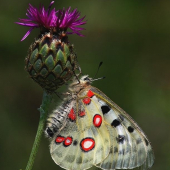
x: 100, y: 64
x: 98, y: 78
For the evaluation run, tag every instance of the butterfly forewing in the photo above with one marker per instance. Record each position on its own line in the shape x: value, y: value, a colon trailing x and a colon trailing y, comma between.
x: 134, y: 149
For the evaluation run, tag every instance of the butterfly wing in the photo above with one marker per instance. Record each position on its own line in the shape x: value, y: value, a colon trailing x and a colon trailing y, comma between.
x: 98, y: 132
x: 130, y: 148
x: 84, y: 141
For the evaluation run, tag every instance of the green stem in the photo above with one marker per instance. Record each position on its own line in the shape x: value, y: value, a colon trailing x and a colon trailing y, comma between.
x: 43, y: 116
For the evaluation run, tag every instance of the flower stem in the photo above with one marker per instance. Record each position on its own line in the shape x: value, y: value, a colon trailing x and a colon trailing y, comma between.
x: 43, y: 115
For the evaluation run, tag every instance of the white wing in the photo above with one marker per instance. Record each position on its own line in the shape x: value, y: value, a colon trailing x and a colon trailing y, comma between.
x: 97, y: 132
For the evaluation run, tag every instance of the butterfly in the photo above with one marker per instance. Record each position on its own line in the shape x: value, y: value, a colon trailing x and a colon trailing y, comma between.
x: 89, y: 129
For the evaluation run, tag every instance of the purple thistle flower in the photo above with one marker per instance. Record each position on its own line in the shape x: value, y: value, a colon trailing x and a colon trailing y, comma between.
x: 67, y: 19
x: 56, y: 21
x: 41, y: 17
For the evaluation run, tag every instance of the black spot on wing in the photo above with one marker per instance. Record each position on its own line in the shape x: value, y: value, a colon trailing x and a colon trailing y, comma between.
x: 130, y: 129
x: 105, y: 109
x: 115, y: 123
x: 120, y: 139
x: 75, y: 142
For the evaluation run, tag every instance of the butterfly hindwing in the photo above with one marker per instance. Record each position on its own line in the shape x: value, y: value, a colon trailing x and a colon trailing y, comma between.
x: 88, y: 135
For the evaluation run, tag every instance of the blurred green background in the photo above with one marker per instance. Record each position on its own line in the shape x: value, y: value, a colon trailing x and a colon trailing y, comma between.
x: 132, y: 38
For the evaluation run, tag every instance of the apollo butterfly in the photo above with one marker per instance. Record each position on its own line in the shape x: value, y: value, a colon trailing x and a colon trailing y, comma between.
x: 89, y: 129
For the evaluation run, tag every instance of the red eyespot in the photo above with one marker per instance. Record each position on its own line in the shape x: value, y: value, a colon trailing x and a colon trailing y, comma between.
x: 97, y: 120
x: 68, y: 141
x: 72, y: 115
x: 86, y: 100
x: 82, y: 113
x: 87, y: 144
x: 59, y: 139
x: 90, y: 94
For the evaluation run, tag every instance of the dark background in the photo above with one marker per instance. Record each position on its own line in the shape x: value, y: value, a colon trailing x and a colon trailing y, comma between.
x: 132, y: 38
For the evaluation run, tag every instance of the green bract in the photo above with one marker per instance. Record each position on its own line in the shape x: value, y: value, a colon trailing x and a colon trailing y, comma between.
x: 51, y: 61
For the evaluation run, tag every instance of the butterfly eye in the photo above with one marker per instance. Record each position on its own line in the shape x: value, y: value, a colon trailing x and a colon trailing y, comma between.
x: 86, y: 78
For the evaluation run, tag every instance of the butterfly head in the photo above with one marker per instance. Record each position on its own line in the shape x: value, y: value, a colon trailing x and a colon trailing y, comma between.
x: 86, y: 80
x: 80, y: 84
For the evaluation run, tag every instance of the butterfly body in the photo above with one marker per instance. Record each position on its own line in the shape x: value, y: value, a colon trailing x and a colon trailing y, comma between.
x: 90, y: 129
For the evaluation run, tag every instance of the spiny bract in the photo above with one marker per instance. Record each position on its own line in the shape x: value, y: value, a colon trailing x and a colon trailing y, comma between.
x: 51, y: 61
